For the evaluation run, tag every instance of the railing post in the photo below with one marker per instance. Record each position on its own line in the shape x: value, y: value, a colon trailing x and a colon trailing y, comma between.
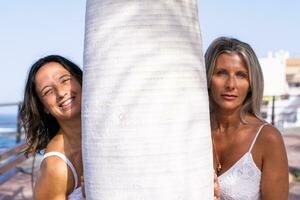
x: 18, y: 133
x: 273, y: 111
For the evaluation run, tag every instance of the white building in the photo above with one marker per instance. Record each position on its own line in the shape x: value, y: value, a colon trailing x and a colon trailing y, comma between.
x: 281, y: 75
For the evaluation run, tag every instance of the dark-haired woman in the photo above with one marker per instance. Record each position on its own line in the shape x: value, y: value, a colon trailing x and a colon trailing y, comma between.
x: 249, y: 154
x: 51, y: 116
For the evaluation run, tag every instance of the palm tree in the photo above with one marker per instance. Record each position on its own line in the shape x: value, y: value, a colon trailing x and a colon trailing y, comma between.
x: 146, y: 132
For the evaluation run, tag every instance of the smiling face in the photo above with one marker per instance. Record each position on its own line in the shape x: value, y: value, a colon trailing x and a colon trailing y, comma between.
x: 230, y: 83
x: 59, y: 91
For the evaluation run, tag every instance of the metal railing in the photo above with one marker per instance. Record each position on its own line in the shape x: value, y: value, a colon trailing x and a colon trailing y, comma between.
x: 17, y: 122
x: 11, y: 158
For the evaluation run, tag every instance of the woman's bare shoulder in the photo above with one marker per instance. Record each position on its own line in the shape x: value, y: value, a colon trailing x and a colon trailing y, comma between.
x: 270, y: 134
x: 54, y: 170
x: 52, y: 178
x: 271, y: 142
x: 54, y: 165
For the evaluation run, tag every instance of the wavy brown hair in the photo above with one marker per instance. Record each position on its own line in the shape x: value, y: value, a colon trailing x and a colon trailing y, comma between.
x: 39, y: 126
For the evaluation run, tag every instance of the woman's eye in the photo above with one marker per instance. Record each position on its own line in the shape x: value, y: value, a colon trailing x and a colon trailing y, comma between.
x: 242, y: 75
x: 47, y: 92
x: 65, y: 80
x: 221, y: 73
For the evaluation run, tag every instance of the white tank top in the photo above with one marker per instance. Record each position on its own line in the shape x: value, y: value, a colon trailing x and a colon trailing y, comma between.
x: 76, y: 193
x: 242, y: 180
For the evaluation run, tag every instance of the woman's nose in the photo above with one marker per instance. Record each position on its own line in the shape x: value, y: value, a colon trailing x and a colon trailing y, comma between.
x: 62, y: 92
x: 230, y: 83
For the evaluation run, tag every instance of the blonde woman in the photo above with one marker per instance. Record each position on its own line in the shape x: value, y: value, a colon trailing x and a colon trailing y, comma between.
x: 249, y: 154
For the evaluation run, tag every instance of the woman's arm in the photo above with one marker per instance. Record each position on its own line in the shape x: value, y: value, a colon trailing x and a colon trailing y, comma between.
x: 52, y: 182
x: 274, y: 183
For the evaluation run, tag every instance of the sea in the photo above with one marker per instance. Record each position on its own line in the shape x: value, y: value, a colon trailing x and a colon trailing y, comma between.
x: 8, y: 127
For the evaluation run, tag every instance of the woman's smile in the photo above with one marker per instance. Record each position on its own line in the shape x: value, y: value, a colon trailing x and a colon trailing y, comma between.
x: 67, y: 104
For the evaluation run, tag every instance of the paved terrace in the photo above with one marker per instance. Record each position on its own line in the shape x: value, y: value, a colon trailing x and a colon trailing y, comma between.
x: 19, y: 187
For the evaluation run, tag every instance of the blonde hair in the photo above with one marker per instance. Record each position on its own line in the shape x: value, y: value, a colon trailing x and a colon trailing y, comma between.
x: 254, y: 97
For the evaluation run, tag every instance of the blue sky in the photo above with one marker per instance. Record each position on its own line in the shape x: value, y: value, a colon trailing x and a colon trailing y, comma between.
x: 33, y: 28
x: 267, y: 25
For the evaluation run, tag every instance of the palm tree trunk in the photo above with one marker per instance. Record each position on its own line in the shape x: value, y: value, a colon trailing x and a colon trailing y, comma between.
x: 146, y: 130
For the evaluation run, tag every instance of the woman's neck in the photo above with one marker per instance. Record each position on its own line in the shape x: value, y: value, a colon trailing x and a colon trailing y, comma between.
x: 225, y: 122
x: 71, y: 131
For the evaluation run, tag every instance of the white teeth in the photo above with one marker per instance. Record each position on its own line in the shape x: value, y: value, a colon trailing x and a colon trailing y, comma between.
x: 67, y: 102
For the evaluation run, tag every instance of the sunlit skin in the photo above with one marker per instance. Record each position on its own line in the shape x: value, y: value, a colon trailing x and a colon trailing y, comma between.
x: 228, y: 90
x: 229, y: 83
x: 60, y: 94
x: 59, y: 91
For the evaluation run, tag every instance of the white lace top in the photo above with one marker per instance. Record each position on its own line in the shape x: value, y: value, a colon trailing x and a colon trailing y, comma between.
x: 76, y: 194
x: 242, y: 180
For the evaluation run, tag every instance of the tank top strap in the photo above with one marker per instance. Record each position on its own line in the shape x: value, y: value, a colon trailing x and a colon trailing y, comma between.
x: 64, y: 158
x: 258, y: 132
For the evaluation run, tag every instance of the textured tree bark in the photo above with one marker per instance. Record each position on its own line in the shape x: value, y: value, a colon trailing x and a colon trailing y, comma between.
x: 146, y: 130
